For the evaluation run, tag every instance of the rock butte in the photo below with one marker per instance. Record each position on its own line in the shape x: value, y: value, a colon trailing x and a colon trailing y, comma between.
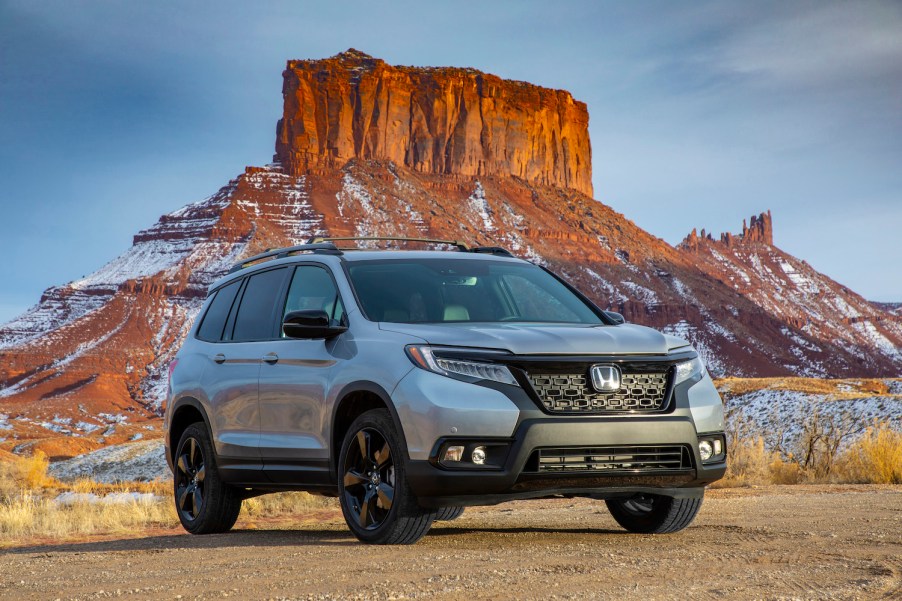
x: 446, y: 121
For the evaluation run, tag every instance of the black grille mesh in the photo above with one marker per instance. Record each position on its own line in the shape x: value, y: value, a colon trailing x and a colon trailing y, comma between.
x: 615, y: 459
x: 573, y: 393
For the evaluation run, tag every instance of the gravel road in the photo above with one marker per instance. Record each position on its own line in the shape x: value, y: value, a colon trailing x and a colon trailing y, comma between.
x: 798, y: 542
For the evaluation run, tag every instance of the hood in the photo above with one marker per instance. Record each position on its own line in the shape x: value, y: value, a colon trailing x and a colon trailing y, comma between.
x: 543, y: 338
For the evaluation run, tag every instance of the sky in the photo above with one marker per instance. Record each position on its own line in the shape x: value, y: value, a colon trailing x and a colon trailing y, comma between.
x: 701, y: 113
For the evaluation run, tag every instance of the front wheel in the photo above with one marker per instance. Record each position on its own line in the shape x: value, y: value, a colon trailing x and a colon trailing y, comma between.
x: 376, y: 500
x: 654, y: 514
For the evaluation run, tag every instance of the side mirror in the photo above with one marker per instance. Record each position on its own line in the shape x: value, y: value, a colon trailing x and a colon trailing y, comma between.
x: 617, y: 318
x: 310, y: 324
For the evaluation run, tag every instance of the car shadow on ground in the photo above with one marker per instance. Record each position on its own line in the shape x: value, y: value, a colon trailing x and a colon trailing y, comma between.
x: 271, y: 538
x: 443, y: 530
x: 160, y: 543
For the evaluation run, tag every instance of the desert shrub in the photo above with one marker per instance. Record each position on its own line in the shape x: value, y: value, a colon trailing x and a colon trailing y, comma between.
x: 876, y: 457
x: 284, y: 504
x: 25, y: 474
x: 785, y: 472
x: 748, y: 462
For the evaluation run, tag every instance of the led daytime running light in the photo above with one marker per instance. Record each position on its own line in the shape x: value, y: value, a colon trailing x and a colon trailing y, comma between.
x: 424, y: 357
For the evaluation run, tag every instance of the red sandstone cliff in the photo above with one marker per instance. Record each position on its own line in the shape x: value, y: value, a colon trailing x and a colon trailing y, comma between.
x: 447, y: 121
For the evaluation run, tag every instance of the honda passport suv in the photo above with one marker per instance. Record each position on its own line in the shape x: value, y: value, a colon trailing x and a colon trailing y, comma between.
x: 411, y: 384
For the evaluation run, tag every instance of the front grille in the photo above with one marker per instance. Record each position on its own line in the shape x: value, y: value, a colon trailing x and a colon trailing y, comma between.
x: 631, y: 459
x: 573, y: 393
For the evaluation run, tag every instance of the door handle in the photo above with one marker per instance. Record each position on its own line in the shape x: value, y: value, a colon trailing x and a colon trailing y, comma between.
x: 271, y: 358
x: 219, y: 358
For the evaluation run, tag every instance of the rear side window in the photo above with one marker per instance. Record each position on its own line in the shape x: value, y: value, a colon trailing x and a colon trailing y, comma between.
x: 255, y: 314
x: 215, y: 318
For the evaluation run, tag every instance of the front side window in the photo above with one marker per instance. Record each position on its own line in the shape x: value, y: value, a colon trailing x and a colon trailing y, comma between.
x: 254, y: 320
x: 464, y: 290
x: 215, y: 318
x: 313, y: 289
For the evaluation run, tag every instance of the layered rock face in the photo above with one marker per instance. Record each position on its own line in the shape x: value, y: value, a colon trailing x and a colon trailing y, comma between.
x: 445, y: 121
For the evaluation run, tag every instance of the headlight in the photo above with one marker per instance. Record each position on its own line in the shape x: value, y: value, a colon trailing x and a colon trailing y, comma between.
x: 424, y: 357
x: 689, y: 369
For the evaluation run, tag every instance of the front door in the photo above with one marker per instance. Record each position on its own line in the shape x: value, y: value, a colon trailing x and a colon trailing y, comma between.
x: 294, y: 379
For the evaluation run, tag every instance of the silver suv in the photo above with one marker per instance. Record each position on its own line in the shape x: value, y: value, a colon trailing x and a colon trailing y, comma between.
x: 411, y: 384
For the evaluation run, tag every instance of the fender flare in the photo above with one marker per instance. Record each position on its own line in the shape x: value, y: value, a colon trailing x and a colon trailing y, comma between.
x: 178, y: 406
x: 362, y: 386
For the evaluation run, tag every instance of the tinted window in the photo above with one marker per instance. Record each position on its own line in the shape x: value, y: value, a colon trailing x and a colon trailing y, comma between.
x: 255, y: 314
x: 312, y: 288
x: 534, y: 303
x: 464, y: 290
x: 215, y: 318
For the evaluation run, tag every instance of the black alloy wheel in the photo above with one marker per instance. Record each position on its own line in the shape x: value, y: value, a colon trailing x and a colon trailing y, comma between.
x: 189, y: 479
x: 376, y: 500
x: 205, y: 504
x: 369, y: 478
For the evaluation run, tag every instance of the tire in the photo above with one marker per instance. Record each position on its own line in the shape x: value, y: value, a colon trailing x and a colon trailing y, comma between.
x: 375, y: 498
x: 654, y: 514
x: 204, y: 503
x: 446, y: 514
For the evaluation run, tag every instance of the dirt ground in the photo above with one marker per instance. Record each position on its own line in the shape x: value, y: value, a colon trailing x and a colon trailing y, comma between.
x: 794, y: 542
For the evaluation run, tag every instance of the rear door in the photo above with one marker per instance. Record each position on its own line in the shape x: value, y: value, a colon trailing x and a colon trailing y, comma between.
x: 232, y: 378
x: 294, y: 381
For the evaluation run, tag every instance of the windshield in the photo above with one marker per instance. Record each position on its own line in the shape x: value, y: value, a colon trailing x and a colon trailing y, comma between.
x: 464, y: 290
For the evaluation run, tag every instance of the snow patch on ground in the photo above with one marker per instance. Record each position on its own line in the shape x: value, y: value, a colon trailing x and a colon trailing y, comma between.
x: 784, y: 411
x: 116, y: 498
x: 134, y: 461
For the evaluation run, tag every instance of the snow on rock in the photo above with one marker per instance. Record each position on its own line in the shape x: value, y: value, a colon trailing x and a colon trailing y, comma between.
x: 134, y: 461
x: 479, y: 205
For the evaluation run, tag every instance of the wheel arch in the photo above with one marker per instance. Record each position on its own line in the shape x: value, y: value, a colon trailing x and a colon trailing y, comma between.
x: 187, y: 411
x: 353, y: 400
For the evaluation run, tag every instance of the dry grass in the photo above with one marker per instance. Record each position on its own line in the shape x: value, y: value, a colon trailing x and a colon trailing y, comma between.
x: 30, y: 509
x: 838, y: 389
x: 873, y: 458
x: 29, y: 516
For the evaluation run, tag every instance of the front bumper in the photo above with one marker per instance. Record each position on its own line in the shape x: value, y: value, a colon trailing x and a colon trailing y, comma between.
x: 437, y: 486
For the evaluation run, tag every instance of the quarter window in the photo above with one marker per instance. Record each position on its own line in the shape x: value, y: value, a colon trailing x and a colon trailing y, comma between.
x: 214, y: 320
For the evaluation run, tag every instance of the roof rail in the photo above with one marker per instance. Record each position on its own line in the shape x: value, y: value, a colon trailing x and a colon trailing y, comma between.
x: 459, y: 245
x: 281, y: 253
x: 491, y: 250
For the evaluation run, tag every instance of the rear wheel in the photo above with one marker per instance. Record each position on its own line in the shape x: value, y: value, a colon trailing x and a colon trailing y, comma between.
x: 446, y: 514
x: 376, y: 500
x: 204, y: 503
x: 654, y: 514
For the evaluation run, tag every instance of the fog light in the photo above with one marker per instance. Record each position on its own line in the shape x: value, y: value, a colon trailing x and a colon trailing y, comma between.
x: 478, y: 456
x: 705, y: 450
x: 454, y: 453
x: 718, y: 446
